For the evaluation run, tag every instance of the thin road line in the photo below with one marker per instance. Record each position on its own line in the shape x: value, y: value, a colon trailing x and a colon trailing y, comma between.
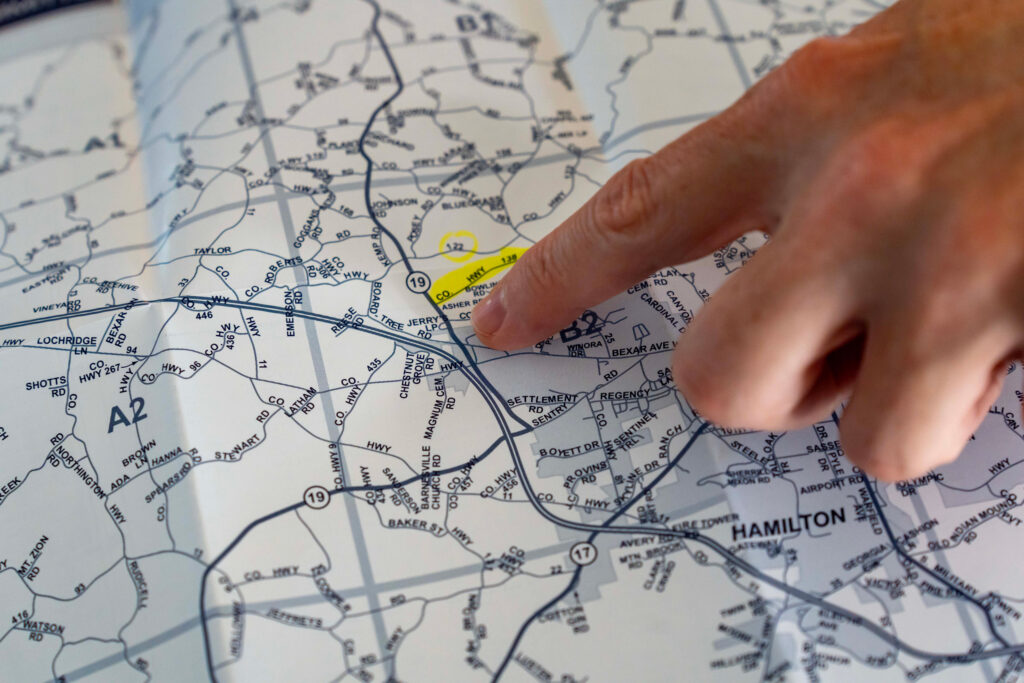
x: 885, y: 635
x: 190, y: 302
x: 606, y: 527
x: 962, y: 610
x: 733, y: 51
x: 909, y: 558
x: 133, y: 651
x: 316, y: 353
x: 590, y: 539
x: 73, y: 314
x: 691, y: 535
x: 658, y: 531
x: 358, y: 185
x: 295, y: 506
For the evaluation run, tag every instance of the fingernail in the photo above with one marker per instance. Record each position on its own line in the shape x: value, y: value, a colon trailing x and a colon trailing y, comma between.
x: 489, y: 313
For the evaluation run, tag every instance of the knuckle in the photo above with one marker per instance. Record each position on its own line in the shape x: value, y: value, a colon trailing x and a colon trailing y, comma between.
x: 890, y: 467
x: 703, y: 391
x: 882, y: 452
x: 863, y: 450
x: 933, y: 318
x: 877, y: 165
x: 832, y: 75
x: 626, y: 204
x: 864, y: 161
x: 538, y: 270
x: 936, y: 318
x: 886, y: 469
x: 811, y: 70
x: 873, y: 182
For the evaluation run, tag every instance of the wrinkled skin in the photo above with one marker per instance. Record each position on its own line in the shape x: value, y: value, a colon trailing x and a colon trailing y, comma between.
x: 888, y: 167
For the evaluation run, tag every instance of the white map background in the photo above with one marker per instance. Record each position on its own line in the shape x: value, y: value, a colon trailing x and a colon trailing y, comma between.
x: 208, y: 221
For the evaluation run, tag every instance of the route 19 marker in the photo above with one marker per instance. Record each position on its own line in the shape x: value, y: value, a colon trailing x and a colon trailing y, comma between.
x: 583, y: 553
x: 417, y: 281
x: 317, y: 497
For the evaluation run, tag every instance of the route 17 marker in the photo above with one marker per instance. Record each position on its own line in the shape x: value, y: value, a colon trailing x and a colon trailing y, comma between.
x: 417, y: 281
x: 317, y: 497
x: 583, y: 553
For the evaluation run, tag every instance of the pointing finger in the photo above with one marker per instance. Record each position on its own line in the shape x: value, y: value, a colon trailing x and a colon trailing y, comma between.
x: 703, y: 190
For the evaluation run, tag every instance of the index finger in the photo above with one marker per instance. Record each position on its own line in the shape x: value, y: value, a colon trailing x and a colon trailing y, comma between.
x: 699, y: 192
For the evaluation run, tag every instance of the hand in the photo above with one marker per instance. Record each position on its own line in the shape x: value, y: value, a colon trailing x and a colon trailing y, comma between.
x: 888, y: 167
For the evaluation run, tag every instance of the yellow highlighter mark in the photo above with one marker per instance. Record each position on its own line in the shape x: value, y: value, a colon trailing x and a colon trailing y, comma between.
x: 459, y: 280
x: 458, y: 246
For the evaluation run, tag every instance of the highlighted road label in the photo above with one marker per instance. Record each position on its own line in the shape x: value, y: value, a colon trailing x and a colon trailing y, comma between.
x: 459, y: 280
